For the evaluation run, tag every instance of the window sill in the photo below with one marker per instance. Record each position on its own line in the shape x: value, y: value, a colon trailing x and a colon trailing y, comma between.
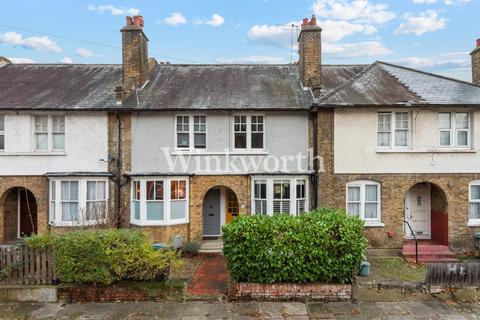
x: 473, y: 224
x: 425, y: 151
x: 374, y: 225
x: 219, y: 153
x: 75, y: 224
x: 51, y: 153
x: 157, y: 223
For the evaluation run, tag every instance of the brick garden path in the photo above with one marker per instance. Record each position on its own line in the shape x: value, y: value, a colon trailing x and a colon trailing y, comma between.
x: 210, y: 278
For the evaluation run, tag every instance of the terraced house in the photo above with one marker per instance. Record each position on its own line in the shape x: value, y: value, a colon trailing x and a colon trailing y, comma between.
x: 184, y: 149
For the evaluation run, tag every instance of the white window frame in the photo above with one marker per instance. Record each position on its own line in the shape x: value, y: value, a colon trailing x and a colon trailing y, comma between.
x: 191, y: 132
x: 472, y: 222
x: 362, y: 184
x: 167, y: 201
x: 55, y: 201
x: 249, y: 132
x: 97, y: 200
x: 2, y: 132
x: 384, y: 131
x: 394, y: 129
x: 50, y: 133
x: 454, y: 130
x: 269, y: 180
x: 263, y: 201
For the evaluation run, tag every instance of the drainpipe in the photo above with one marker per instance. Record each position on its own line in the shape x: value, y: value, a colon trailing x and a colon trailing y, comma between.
x: 118, y: 171
x: 315, y: 160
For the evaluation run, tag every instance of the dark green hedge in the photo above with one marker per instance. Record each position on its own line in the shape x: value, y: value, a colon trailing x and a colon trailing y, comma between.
x: 105, y: 256
x: 324, y: 246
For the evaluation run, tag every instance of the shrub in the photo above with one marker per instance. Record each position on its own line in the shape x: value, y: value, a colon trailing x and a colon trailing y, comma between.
x: 105, y: 256
x: 325, y: 246
x: 192, y: 247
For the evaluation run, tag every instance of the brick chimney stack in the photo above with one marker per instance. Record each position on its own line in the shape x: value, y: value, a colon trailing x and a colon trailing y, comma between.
x: 310, y: 53
x: 134, y: 53
x: 476, y: 64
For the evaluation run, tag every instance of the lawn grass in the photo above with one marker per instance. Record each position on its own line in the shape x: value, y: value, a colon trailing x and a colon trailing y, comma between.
x: 395, y: 269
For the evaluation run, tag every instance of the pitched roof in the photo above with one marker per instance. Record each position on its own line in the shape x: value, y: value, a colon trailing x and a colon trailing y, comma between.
x: 220, y: 87
x: 387, y: 84
x: 58, y: 86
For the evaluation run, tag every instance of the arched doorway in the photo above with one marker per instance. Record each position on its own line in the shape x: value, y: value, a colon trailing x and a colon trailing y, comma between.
x: 19, y: 214
x: 220, y: 206
x: 426, y: 211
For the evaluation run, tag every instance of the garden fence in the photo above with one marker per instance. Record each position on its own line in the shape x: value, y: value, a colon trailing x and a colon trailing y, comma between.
x: 22, y: 265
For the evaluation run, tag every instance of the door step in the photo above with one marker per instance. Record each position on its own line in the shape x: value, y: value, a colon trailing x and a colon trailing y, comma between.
x: 211, y: 246
x: 428, y: 252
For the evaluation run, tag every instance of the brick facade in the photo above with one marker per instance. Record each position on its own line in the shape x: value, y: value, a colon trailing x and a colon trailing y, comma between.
x: 394, y: 187
x: 476, y: 65
x: 38, y: 186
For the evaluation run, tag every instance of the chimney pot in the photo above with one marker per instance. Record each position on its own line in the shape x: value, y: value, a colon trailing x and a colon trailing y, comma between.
x: 305, y: 22
x: 313, y: 21
x: 478, y: 43
x: 129, y: 21
x: 138, y: 21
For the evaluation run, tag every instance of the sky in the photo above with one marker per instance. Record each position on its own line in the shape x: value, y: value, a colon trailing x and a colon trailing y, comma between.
x: 431, y: 35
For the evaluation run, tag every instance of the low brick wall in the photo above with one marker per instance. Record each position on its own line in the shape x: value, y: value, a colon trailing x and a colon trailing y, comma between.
x: 123, y: 292
x: 291, y: 291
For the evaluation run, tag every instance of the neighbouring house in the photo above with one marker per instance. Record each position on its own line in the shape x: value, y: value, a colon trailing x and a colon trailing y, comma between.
x: 183, y: 149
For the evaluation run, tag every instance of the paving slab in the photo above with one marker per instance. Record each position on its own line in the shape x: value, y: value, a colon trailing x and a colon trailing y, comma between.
x: 247, y: 309
x: 294, y: 309
x: 196, y: 309
x: 392, y: 308
x: 319, y: 310
x: 270, y: 310
x: 48, y: 310
x: 370, y: 310
x: 419, y: 310
x: 343, y: 309
x: 220, y: 311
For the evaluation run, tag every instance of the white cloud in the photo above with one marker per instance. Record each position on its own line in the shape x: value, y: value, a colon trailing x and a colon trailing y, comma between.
x: 353, y: 10
x: 84, y: 53
x: 449, y: 60
x: 254, y: 60
x: 115, y: 11
x: 456, y: 2
x: 427, y: 21
x: 424, y: 1
x: 215, y: 21
x: 66, y: 60
x: 353, y: 50
x: 175, y: 18
x: 42, y: 43
x: 20, y: 60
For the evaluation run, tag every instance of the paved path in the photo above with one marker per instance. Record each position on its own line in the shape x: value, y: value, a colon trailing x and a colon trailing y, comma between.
x: 210, y: 278
x: 242, y: 310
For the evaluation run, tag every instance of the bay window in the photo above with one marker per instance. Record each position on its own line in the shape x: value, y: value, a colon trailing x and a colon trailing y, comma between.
x: 454, y: 129
x: 474, y: 204
x: 393, y: 129
x: 49, y: 133
x: 191, y: 132
x: 363, y: 201
x: 159, y: 201
x: 275, y: 195
x: 249, y: 132
x: 78, y: 201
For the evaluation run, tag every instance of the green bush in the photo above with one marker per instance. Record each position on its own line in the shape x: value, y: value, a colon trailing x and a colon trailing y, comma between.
x: 105, y: 256
x: 325, y: 246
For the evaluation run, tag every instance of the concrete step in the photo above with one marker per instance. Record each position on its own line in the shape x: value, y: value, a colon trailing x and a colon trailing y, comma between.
x: 428, y: 252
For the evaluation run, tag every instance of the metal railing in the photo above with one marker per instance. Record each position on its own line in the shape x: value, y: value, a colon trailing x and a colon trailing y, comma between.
x: 414, y: 238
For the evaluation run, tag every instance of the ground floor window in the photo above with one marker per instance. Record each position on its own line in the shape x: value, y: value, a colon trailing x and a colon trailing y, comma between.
x: 78, y: 201
x: 363, y: 201
x: 474, y: 199
x: 272, y: 195
x: 159, y: 200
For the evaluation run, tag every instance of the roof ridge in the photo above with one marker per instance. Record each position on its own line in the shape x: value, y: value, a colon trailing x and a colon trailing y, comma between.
x: 65, y: 64
x: 349, y: 82
x: 428, y: 73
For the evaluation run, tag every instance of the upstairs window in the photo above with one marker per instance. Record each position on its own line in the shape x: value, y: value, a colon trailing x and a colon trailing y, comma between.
x: 454, y: 129
x: 49, y: 133
x: 363, y: 201
x: 249, y: 132
x: 2, y: 132
x: 191, y: 132
x: 393, y: 129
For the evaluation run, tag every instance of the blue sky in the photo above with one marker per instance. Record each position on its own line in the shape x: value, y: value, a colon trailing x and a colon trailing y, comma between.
x: 432, y: 35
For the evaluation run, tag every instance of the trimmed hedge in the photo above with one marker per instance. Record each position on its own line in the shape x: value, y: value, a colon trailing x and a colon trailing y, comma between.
x: 324, y: 246
x: 105, y: 256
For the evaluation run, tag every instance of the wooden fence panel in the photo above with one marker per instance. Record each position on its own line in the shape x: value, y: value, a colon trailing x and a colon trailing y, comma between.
x: 22, y: 265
